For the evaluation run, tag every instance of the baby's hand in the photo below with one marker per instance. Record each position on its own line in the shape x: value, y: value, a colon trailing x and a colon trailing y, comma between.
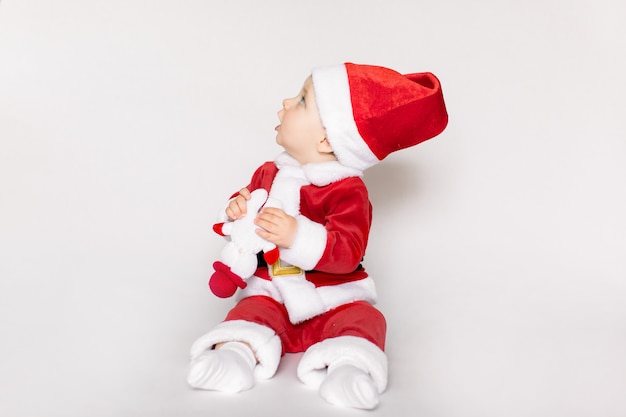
x: 276, y: 226
x: 237, y: 208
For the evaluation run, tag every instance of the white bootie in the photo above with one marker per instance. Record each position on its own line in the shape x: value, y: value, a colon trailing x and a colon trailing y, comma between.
x: 349, y: 386
x: 348, y: 371
x: 262, y: 340
x: 228, y: 369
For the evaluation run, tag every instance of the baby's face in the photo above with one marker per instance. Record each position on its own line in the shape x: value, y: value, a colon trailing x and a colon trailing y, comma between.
x: 300, y: 130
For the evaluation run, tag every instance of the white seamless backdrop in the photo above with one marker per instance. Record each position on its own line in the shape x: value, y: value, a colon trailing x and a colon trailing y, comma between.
x: 498, y: 247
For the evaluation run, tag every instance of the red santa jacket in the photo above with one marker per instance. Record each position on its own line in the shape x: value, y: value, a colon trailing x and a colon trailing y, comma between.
x: 331, y: 205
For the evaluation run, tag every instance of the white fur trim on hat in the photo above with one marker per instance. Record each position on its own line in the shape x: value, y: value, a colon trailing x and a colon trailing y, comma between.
x: 264, y: 343
x: 332, y: 94
x: 312, y: 368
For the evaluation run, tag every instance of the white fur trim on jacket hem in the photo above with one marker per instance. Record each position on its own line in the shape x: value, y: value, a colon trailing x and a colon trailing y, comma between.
x: 311, y: 301
x: 301, y: 298
x: 312, y: 368
x: 264, y: 343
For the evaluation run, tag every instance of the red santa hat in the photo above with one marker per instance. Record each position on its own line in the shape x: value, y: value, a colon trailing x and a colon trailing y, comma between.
x: 370, y: 111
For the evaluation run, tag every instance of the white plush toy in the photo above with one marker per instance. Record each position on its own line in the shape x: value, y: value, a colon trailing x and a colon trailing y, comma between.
x: 238, y: 259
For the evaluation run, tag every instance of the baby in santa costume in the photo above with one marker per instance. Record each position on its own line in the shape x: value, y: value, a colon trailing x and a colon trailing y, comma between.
x: 317, y: 298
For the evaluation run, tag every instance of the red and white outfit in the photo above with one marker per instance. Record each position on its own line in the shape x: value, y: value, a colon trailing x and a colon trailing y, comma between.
x: 332, y: 298
x: 327, y: 310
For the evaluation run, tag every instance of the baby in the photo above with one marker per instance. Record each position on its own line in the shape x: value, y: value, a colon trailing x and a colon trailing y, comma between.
x: 317, y: 298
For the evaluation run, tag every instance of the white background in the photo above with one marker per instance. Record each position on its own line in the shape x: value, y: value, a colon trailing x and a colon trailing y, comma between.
x: 498, y: 247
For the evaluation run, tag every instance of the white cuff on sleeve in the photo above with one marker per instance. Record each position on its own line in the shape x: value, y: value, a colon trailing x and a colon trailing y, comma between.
x: 308, y: 246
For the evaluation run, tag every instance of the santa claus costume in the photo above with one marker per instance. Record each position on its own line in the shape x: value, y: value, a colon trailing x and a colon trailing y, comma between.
x: 318, y: 298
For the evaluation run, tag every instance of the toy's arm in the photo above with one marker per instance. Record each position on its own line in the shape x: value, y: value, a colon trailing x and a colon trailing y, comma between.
x: 223, y: 229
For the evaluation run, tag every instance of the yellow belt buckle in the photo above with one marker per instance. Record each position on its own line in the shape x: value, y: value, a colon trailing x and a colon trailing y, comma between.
x: 280, y: 268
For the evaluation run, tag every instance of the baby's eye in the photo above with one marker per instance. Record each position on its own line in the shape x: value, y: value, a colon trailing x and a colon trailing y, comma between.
x: 302, y: 101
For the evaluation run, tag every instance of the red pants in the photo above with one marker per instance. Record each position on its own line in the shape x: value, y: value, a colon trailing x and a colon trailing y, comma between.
x: 355, y: 319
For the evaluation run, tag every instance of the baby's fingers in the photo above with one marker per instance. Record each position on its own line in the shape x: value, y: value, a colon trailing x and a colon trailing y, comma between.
x: 245, y: 193
x: 237, y: 208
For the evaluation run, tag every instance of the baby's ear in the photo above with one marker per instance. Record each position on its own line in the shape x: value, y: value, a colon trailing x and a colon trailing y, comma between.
x: 324, y: 146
